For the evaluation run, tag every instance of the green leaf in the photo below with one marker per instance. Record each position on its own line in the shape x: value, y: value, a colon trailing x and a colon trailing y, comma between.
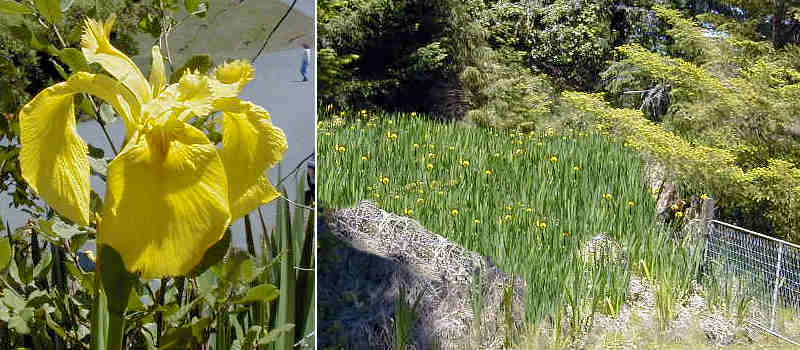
x: 213, y: 255
x: 14, y: 302
x: 50, y: 9
x: 201, y: 63
x: 74, y: 59
x: 273, y: 335
x: 239, y: 269
x: 44, y: 264
x: 116, y: 280
x: 135, y: 302
x: 5, y: 253
x: 196, y: 7
x: 19, y: 325
x: 178, y: 315
x: 95, y: 152
x: 99, y: 167
x: 14, y: 8
x: 260, y: 293
x: 185, y: 337
x: 57, y: 229
x: 116, y: 284
x: 66, y: 4
x: 85, y: 279
x: 59, y: 69
x: 286, y: 301
x: 107, y: 114
x: 86, y: 107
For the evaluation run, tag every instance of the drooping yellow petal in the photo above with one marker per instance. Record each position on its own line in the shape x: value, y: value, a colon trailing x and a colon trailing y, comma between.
x: 231, y: 77
x: 250, y: 146
x: 53, y: 157
x: 158, y: 76
x: 167, y: 201
x: 97, y: 48
x: 260, y: 193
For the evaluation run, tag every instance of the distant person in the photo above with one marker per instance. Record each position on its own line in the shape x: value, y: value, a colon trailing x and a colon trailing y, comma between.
x: 306, y: 60
x: 310, y: 180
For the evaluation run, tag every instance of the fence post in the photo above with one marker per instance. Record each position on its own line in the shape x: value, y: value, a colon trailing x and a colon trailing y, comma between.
x: 777, y: 285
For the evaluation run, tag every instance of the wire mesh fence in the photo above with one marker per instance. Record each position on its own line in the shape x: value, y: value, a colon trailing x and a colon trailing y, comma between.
x: 758, y: 274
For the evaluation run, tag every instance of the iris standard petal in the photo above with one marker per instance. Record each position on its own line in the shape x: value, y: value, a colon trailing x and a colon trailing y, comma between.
x: 167, y: 201
x: 53, y: 157
x: 158, y: 76
x: 250, y: 146
x: 97, y: 48
x: 229, y: 79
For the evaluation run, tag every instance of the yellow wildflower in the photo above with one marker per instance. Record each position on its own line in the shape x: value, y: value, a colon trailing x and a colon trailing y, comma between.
x: 454, y: 212
x: 429, y: 166
x: 171, y: 193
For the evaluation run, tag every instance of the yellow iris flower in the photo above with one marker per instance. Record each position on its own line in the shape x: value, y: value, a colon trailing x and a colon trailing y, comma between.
x: 171, y: 193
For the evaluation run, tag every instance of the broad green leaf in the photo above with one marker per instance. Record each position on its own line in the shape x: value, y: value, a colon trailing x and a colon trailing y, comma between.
x: 135, y: 302
x: 260, y: 293
x: 185, y: 337
x: 206, y: 282
x: 273, y: 335
x: 57, y: 229
x: 214, y: 254
x: 178, y: 315
x: 14, y: 302
x: 201, y: 63
x: 239, y: 269
x: 14, y: 8
x: 99, y: 167
x: 5, y: 253
x: 74, y: 59
x: 196, y: 7
x: 107, y: 114
x: 19, y: 325
x: 50, y: 9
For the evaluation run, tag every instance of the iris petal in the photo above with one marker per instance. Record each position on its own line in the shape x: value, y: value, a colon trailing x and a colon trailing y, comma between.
x: 158, y: 76
x: 164, y: 210
x: 230, y: 78
x: 250, y: 146
x: 54, y: 158
x: 97, y: 48
x: 260, y: 193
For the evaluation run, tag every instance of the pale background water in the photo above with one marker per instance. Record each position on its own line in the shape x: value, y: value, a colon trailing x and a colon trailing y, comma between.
x: 235, y: 30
